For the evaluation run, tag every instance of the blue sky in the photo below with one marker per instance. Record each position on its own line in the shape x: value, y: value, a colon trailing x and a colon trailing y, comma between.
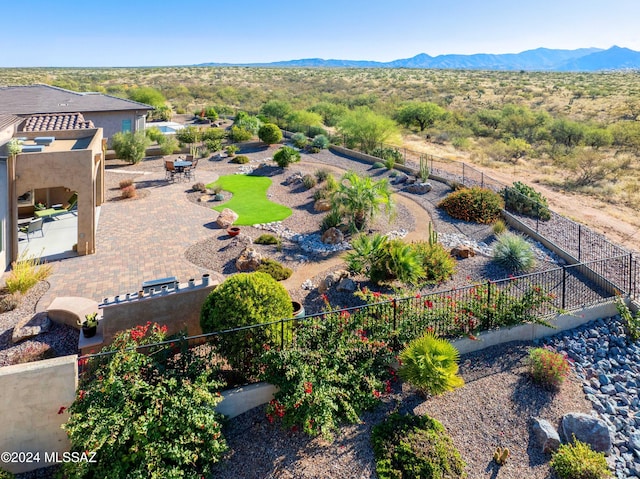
x: 162, y: 32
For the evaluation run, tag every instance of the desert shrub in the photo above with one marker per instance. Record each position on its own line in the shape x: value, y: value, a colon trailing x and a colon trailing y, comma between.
x: 299, y: 140
x: 240, y: 134
x: 146, y: 415
x: 285, y: 156
x: 242, y: 300
x: 33, y: 351
x: 499, y: 227
x: 386, y: 153
x: 10, y: 301
x: 382, y: 260
x: 26, y: 273
x: 130, y: 146
x: 129, y: 191
x: 213, y: 134
x: 309, y: 181
x: 211, y: 113
x: 437, y: 263
x: 314, y: 131
x: 270, y: 133
x: 431, y: 365
x: 523, y: 199
x: 389, y: 163
x: 332, y: 219
x: 169, y: 145
x: 631, y: 321
x: 415, y: 446
x: 199, y: 187
x: 125, y: 183
x: 321, y: 174
x: 377, y: 165
x: 266, y: 239
x: 154, y: 134
x: 213, y: 145
x: 514, y: 253
x: 274, y: 269
x: 320, y: 141
x: 478, y: 205
x: 547, y: 367
x: 578, y: 461
x: 231, y: 150
x: 240, y: 159
x: 329, y: 375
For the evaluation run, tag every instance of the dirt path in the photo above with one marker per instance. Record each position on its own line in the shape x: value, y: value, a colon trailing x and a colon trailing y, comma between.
x: 315, y: 268
x: 621, y: 224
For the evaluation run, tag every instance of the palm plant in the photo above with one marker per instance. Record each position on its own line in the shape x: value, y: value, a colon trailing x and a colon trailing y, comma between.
x: 360, y: 199
x: 431, y: 364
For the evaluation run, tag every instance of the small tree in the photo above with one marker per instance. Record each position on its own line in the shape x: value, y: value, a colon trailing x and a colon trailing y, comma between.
x: 422, y: 114
x: 360, y: 199
x: 276, y: 110
x: 285, y: 156
x: 130, y: 146
x: 367, y: 129
x: 240, y: 134
x: 270, y: 133
x: 148, y: 96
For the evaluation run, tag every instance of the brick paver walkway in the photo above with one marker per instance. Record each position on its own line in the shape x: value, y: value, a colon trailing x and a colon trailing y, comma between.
x: 140, y: 239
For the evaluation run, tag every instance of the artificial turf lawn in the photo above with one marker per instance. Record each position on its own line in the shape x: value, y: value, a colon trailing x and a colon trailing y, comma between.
x: 250, y: 199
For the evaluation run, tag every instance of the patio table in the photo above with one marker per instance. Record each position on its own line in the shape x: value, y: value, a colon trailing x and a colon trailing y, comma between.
x: 181, y: 166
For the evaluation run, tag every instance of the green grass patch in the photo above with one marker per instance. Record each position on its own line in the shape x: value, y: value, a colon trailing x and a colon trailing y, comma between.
x: 250, y: 199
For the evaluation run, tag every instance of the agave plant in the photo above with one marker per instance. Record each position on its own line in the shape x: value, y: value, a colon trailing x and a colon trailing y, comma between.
x: 431, y: 365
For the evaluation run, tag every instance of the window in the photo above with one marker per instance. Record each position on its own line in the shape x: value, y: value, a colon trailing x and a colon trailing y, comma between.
x: 126, y: 125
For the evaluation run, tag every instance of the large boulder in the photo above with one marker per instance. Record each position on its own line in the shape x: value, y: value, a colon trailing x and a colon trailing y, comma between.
x: 294, y: 179
x: 463, y: 252
x: 346, y: 285
x: 587, y: 429
x: 332, y: 279
x: 332, y: 236
x: 249, y: 260
x: 322, y: 205
x: 226, y: 218
x: 545, y: 434
x: 30, y: 326
x: 419, y: 188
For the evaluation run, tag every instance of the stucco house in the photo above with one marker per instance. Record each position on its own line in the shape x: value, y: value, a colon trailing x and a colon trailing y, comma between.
x: 108, y: 112
x: 62, y: 155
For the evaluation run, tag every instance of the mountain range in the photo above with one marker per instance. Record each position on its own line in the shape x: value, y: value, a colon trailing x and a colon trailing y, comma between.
x: 540, y: 59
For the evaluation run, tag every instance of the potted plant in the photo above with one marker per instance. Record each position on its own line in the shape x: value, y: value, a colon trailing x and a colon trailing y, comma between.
x: 233, y: 231
x: 39, y: 206
x: 89, y: 325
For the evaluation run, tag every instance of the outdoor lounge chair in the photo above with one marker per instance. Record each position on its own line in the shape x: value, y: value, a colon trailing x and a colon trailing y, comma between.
x: 33, y: 226
x: 55, y: 211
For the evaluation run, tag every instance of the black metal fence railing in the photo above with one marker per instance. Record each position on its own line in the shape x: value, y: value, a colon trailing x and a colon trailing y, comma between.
x: 578, y: 240
x: 450, y: 314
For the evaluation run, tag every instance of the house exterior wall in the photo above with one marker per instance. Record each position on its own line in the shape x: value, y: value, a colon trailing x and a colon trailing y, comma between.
x: 111, y: 121
x: 5, y: 240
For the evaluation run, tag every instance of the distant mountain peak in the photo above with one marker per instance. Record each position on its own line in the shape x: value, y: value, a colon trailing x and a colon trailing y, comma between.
x: 539, y: 59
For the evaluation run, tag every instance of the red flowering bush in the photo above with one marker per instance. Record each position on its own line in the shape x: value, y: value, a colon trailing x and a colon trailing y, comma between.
x: 144, y: 414
x: 548, y: 368
x: 332, y: 373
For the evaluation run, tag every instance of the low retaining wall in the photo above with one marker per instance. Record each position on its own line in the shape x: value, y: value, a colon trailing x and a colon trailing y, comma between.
x: 33, y: 393
x: 30, y: 410
x: 178, y: 310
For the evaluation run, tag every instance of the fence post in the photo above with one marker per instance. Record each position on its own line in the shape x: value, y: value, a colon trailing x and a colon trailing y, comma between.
x: 482, y: 179
x: 631, y: 289
x: 393, y: 302
x: 580, y: 242
x: 490, y: 318
x: 281, y: 334
x: 564, y: 287
x: 463, y: 174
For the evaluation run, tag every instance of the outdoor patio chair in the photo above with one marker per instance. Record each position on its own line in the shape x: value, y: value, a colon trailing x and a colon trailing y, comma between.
x: 190, y: 172
x: 169, y: 170
x: 56, y: 210
x: 33, y: 226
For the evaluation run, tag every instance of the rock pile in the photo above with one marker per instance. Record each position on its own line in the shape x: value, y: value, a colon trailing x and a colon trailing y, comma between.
x: 609, y: 367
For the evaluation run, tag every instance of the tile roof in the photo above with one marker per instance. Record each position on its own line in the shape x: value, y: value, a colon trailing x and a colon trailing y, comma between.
x: 8, y: 120
x: 62, y: 121
x: 43, y: 99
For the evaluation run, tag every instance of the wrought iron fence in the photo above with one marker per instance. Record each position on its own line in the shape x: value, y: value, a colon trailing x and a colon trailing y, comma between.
x: 450, y: 314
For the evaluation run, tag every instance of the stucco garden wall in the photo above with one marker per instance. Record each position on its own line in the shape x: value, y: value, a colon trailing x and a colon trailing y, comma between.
x: 32, y: 395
